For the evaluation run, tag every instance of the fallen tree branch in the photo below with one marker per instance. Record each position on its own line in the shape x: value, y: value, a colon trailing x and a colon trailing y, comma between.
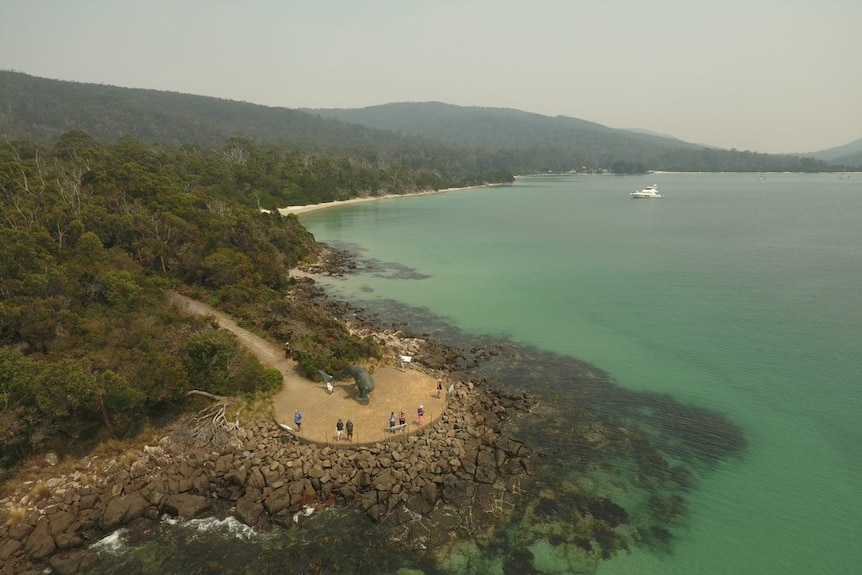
x: 211, y: 426
x: 204, y: 394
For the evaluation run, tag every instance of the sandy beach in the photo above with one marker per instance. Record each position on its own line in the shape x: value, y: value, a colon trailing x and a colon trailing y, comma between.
x: 322, y: 206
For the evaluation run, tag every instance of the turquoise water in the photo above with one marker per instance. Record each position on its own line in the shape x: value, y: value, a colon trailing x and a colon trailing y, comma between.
x: 732, y: 293
x: 738, y: 298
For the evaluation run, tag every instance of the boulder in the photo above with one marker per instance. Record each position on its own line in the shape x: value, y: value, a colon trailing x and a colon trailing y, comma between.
x: 368, y: 500
x: 8, y: 548
x: 249, y: 507
x: 500, y: 457
x: 383, y: 481
x: 429, y: 493
x: 255, y: 479
x: 376, y: 512
x: 186, y: 505
x: 417, y: 504
x: 78, y: 561
x: 20, y: 530
x: 63, y: 523
x: 486, y: 474
x: 237, y: 476
x: 40, y: 544
x: 121, y: 510
x: 399, y: 517
x: 270, y: 475
x: 277, y: 502
x: 315, y: 471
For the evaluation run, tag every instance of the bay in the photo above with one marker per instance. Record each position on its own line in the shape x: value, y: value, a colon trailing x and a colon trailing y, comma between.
x: 734, y: 293
x: 718, y: 328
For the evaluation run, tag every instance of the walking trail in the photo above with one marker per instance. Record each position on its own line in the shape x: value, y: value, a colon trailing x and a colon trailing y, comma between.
x: 394, y: 391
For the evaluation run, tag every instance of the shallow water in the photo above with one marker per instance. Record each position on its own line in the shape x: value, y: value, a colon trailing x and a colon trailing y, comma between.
x: 734, y: 294
x: 710, y: 337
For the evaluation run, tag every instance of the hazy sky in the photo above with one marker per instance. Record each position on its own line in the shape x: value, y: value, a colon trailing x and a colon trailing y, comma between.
x: 764, y: 75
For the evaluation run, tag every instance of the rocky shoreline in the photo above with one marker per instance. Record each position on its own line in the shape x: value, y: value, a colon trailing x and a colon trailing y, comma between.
x: 456, y: 477
x: 455, y: 474
x: 446, y: 489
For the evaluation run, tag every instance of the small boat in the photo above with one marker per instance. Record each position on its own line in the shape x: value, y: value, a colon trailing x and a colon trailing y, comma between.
x: 647, y: 192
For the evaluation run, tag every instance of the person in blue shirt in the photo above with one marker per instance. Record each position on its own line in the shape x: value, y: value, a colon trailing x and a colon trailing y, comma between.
x: 297, y: 420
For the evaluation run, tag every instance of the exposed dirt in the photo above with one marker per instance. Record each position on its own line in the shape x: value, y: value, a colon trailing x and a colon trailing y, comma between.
x: 394, y: 391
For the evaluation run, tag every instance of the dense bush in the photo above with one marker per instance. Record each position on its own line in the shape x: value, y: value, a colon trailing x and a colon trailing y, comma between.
x: 91, y: 238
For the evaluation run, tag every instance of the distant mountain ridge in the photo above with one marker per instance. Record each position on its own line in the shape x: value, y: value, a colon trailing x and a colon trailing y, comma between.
x: 432, y: 133
x: 493, y: 128
x: 41, y: 109
x: 555, y: 139
x: 650, y: 133
x: 846, y: 155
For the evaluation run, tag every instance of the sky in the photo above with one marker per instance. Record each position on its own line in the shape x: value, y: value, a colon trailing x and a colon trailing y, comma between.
x: 769, y: 76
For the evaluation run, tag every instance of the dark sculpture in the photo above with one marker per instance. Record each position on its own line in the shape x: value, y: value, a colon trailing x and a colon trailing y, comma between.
x: 362, y: 378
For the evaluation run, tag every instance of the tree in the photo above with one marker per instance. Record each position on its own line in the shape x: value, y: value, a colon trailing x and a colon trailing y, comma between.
x: 227, y: 266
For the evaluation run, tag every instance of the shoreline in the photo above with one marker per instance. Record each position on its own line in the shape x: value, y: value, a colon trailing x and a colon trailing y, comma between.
x: 296, y: 210
x: 421, y: 485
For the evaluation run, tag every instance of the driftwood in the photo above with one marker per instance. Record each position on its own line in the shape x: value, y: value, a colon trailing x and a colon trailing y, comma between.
x: 286, y: 428
x: 205, y: 394
x: 211, y: 426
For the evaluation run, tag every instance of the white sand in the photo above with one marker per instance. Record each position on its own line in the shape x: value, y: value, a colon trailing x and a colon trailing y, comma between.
x: 324, y: 205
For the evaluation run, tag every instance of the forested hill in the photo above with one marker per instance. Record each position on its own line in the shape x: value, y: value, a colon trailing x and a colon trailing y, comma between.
x: 449, y: 140
x: 848, y: 155
x: 91, y: 237
x: 41, y: 109
x: 499, y: 128
x: 539, y: 141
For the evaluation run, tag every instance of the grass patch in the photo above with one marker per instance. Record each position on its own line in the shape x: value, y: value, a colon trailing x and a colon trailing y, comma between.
x: 39, y: 491
x: 15, y: 515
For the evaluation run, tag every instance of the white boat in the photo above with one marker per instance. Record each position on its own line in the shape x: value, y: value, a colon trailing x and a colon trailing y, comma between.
x: 647, y: 192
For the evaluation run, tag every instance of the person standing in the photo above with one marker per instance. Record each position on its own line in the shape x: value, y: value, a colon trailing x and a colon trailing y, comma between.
x: 439, y: 387
x: 349, y: 430
x: 287, y: 350
x: 420, y: 413
x: 402, y: 419
x: 339, y: 429
x: 297, y: 420
x: 392, y: 422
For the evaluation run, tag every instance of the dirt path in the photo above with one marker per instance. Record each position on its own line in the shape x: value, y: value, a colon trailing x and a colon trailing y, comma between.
x: 394, y: 391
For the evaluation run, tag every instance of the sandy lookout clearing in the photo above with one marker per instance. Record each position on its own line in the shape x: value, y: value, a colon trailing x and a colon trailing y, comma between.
x: 394, y: 390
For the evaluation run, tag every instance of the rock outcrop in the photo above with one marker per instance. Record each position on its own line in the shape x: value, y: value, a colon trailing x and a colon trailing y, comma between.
x: 460, y: 472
